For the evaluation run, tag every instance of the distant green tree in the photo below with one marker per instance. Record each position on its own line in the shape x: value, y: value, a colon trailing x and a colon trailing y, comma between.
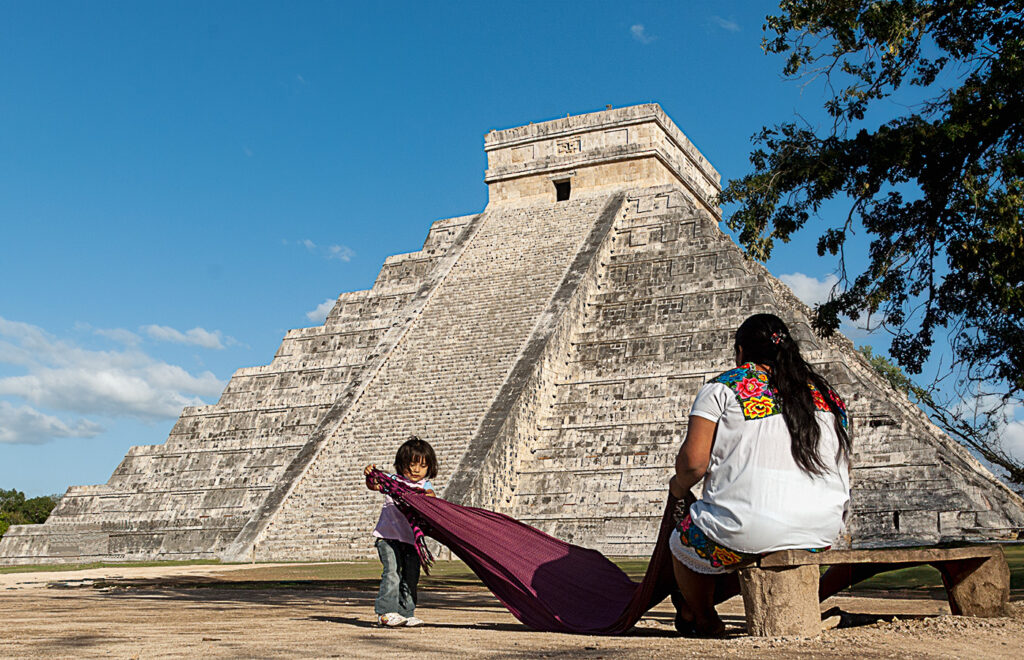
x: 37, y: 509
x: 8, y: 518
x: 16, y: 510
x: 11, y: 500
x: 938, y: 190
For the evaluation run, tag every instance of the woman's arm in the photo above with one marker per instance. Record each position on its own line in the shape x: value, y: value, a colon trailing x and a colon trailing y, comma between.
x: 694, y: 456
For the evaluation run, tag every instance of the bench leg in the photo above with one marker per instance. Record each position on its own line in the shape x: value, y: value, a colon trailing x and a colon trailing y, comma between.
x: 781, y: 601
x: 978, y: 587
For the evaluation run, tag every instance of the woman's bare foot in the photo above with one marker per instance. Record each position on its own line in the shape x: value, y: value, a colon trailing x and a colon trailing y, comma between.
x: 684, y: 615
x: 709, y: 625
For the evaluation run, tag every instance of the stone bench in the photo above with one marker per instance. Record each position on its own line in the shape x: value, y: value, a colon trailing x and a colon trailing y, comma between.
x: 782, y: 591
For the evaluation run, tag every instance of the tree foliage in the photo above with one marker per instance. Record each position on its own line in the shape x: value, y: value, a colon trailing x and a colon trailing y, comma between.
x: 938, y: 190
x: 16, y: 510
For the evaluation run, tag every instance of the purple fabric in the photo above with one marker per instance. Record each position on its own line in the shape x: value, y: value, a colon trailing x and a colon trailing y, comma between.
x: 544, y: 582
x: 395, y: 489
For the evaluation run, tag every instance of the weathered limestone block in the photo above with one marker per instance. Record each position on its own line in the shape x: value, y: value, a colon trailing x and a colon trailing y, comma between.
x: 979, y: 588
x: 781, y: 601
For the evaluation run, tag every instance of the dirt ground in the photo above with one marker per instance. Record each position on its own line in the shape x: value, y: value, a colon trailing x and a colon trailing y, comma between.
x: 226, y: 612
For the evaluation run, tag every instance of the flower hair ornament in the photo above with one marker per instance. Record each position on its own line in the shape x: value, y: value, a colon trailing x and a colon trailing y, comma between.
x: 777, y: 337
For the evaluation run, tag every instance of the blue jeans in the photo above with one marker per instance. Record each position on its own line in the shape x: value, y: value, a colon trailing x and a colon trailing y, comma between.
x: 398, y: 579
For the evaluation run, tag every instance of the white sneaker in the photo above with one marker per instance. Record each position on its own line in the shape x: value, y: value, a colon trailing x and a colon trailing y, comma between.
x: 391, y: 620
x: 413, y: 621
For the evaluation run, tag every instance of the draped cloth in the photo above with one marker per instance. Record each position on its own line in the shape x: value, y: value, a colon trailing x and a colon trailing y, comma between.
x: 546, y: 583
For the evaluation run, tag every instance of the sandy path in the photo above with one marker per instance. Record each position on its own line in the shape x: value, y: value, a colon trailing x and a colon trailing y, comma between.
x: 161, y: 613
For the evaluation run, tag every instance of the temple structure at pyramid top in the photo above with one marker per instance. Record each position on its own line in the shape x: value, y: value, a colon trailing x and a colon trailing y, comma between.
x: 633, y: 146
x: 549, y: 348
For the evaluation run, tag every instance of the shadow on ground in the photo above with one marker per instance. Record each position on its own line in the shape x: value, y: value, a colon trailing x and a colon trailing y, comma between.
x: 455, y: 593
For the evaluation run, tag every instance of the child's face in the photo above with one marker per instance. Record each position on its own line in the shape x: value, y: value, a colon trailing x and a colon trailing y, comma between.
x: 417, y: 470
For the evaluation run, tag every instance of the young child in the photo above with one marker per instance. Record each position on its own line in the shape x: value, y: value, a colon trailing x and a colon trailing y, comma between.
x: 415, y: 465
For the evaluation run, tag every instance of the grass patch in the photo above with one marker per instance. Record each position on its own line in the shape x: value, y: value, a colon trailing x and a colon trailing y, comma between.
x: 35, y: 568
x: 1015, y: 558
x: 926, y: 577
x: 634, y: 568
x: 915, y: 577
x: 454, y: 574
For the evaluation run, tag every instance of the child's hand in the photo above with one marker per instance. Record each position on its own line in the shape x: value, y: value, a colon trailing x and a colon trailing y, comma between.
x: 429, y: 493
x: 366, y: 472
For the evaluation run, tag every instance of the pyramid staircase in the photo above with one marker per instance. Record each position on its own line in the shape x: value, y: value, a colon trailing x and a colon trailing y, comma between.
x: 548, y: 348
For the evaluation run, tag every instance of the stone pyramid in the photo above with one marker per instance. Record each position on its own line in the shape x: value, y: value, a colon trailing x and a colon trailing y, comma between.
x: 548, y: 347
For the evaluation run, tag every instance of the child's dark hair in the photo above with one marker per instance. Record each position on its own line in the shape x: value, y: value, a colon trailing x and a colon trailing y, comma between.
x: 413, y: 449
x: 766, y: 340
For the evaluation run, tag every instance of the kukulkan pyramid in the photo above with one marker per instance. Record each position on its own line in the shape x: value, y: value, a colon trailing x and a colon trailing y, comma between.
x: 549, y: 348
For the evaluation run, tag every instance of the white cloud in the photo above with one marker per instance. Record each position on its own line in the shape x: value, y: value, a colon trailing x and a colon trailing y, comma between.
x: 340, y: 252
x: 813, y: 291
x: 193, y: 337
x: 61, y: 376
x: 120, y: 335
x: 726, y: 24
x: 319, y: 315
x: 22, y: 425
x: 640, y: 34
x: 1013, y: 439
x: 809, y: 289
x: 147, y: 390
x: 29, y: 343
x: 1011, y: 414
x: 858, y: 330
x: 24, y: 331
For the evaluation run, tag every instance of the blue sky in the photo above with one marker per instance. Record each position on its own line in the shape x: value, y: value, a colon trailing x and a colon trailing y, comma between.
x: 181, y: 183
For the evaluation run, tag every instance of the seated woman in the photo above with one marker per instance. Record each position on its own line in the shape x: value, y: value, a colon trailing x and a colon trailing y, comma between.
x: 770, y: 440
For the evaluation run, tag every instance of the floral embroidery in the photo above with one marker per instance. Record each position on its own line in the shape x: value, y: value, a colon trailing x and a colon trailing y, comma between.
x: 752, y: 391
x: 733, y: 376
x: 758, y: 407
x: 716, y: 555
x: 750, y: 387
x: 822, y: 405
x: 819, y: 401
x: 758, y: 400
x: 724, y: 556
